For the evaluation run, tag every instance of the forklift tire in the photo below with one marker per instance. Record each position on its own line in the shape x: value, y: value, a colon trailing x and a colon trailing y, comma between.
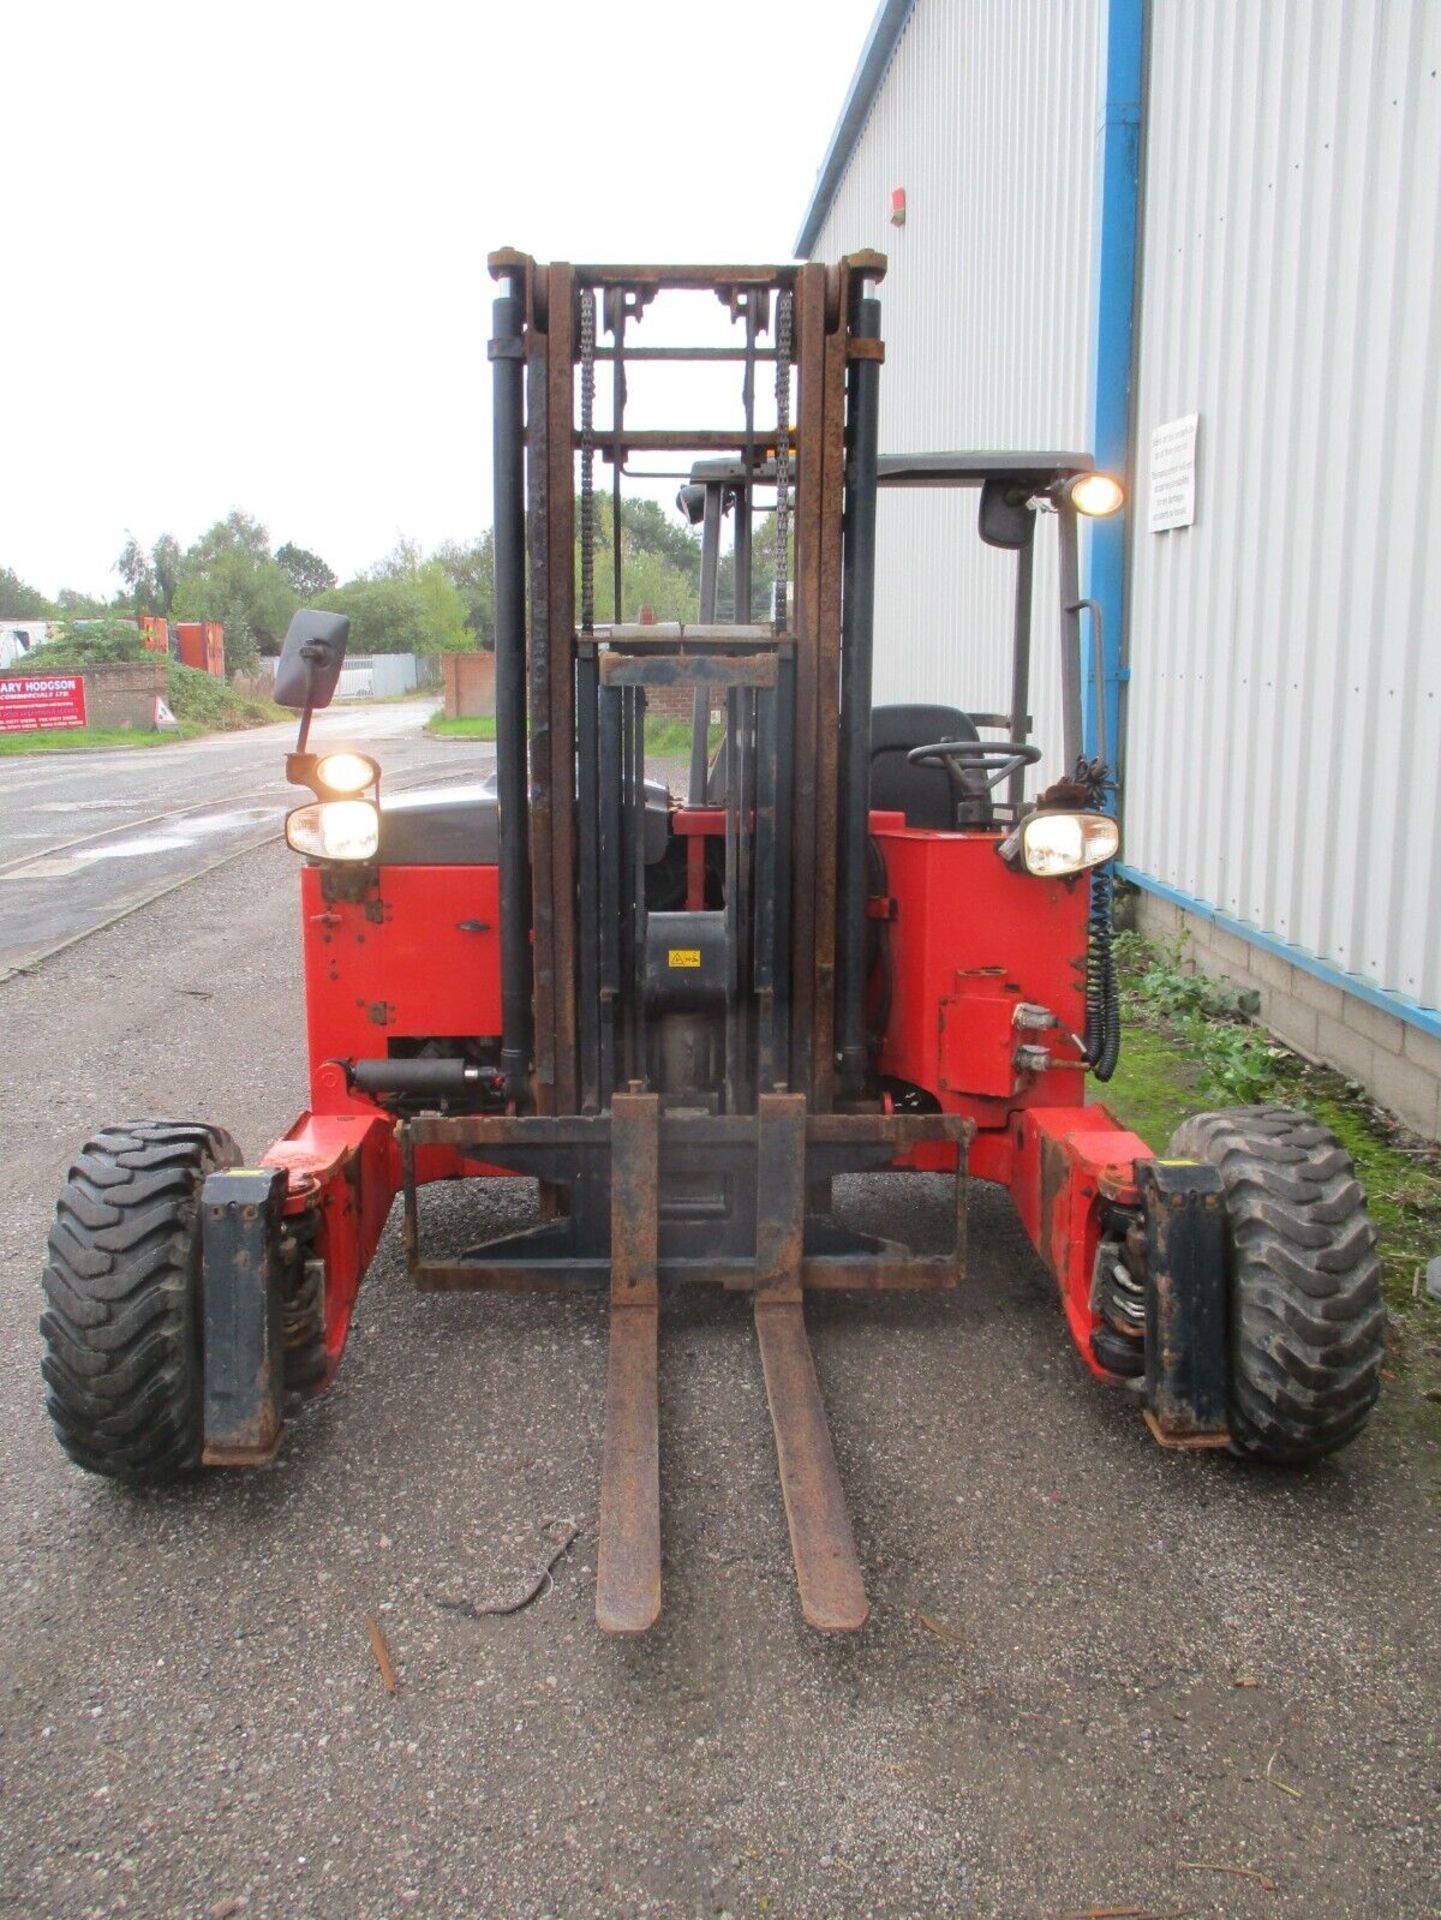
x: 1307, y: 1322
x: 122, y: 1325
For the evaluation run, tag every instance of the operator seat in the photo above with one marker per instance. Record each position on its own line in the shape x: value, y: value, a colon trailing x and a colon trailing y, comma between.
x: 927, y: 796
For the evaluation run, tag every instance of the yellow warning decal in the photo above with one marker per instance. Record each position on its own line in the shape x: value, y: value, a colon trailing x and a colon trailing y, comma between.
x: 685, y: 956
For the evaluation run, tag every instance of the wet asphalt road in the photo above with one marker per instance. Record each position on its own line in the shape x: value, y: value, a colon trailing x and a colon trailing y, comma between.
x: 1096, y: 1675
x: 86, y: 835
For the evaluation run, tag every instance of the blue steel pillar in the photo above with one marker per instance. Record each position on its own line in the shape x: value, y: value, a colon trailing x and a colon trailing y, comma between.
x: 1118, y: 176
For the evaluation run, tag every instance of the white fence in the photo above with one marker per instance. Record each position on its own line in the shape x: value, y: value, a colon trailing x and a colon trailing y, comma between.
x: 382, y: 676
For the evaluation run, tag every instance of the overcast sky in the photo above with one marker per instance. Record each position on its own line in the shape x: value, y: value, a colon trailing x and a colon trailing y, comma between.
x: 246, y: 246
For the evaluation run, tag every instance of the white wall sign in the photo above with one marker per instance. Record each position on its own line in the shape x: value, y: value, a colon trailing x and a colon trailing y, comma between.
x: 1173, y: 473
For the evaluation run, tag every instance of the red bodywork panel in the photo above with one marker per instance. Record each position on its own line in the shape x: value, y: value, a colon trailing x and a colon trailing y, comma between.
x: 970, y: 941
x: 349, y: 1167
x: 1068, y: 1161
x: 418, y: 958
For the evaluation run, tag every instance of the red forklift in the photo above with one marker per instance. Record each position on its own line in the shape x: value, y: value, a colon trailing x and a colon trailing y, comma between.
x: 853, y: 944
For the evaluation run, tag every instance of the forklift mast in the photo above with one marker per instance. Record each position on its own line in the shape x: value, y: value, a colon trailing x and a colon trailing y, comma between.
x: 779, y: 958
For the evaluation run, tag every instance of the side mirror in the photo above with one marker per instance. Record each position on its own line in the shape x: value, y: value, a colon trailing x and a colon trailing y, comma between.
x: 308, y: 670
x: 1006, y: 520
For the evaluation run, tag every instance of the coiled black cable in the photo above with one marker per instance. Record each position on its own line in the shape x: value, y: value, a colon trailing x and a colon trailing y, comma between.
x: 1103, y: 1010
x: 1090, y: 784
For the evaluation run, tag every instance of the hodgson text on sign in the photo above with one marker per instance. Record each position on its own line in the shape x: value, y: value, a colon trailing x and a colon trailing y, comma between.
x: 37, y: 701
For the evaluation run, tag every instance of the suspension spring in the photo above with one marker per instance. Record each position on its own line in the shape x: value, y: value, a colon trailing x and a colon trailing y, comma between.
x: 1118, y: 1293
x: 302, y: 1309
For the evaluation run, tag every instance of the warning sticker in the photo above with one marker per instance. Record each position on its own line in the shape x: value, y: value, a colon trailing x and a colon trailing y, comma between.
x: 1173, y: 474
x: 685, y: 956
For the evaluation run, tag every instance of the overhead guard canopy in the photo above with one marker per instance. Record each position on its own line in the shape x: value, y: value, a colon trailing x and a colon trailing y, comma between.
x: 920, y: 469
x: 974, y: 469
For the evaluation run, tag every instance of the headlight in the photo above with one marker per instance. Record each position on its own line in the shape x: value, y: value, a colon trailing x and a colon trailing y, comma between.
x: 1059, y: 843
x: 335, y: 830
x: 1096, y: 494
x: 346, y: 772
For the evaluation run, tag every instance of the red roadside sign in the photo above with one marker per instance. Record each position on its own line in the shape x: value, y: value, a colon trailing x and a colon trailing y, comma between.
x: 34, y: 701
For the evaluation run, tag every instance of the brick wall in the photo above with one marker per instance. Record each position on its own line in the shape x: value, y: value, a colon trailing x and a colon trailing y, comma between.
x: 672, y: 703
x: 124, y: 695
x: 469, y: 685
x: 1397, y: 1063
x: 470, y: 691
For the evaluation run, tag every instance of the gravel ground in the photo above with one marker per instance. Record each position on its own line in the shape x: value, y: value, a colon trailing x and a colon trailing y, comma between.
x: 1096, y: 1674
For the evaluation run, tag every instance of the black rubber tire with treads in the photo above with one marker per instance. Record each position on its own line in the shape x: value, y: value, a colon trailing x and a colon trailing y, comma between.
x: 121, y: 1324
x: 1307, y: 1321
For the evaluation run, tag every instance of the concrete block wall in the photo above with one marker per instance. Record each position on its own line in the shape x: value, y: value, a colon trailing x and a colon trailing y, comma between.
x: 1397, y: 1064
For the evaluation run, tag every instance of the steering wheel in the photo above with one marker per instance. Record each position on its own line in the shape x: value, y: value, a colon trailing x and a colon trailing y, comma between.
x: 992, y: 760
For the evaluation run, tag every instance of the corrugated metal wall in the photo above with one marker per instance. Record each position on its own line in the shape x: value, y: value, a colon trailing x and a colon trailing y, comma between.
x: 1285, y: 703
x: 987, y: 119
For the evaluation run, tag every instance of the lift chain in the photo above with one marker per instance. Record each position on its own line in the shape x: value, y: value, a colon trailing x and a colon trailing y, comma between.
x: 587, y: 461
x: 783, y: 454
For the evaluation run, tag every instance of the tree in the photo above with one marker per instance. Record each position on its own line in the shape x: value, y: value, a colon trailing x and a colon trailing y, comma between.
x: 404, y: 605
x: 306, y: 571
x: 150, y: 577
x: 133, y: 566
x: 71, y: 604
x: 236, y: 530
x: 472, y: 569
x: 165, y: 564
x: 652, y: 530
x: 18, y: 599
x: 403, y: 562
x: 763, y: 572
x: 229, y: 575
x: 660, y: 564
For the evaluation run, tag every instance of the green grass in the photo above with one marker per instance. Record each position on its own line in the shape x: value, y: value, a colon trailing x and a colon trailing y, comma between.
x: 481, y: 727
x: 1156, y: 1085
x: 665, y: 737
x: 75, y: 739
x: 200, y: 703
x: 1164, y: 1076
x: 673, y: 737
